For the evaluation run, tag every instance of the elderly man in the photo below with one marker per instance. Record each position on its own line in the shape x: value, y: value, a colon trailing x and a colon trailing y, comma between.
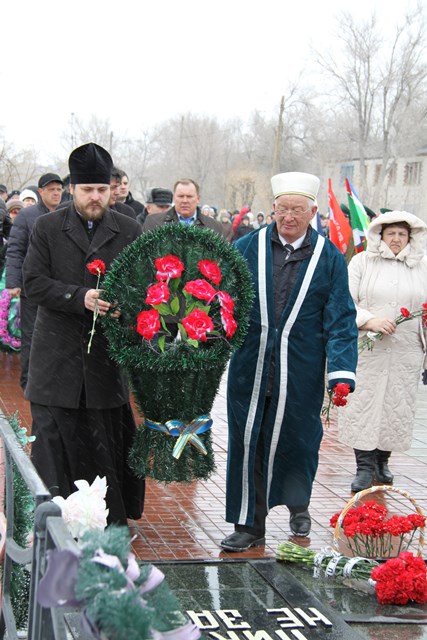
x: 82, y: 419
x: 186, y: 197
x: 303, y: 316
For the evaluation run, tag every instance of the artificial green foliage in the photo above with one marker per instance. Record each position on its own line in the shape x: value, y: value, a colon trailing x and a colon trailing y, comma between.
x: 120, y: 613
x: 23, y: 520
x: 181, y: 382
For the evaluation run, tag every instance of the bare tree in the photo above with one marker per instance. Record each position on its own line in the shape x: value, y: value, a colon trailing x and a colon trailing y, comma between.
x: 379, y: 83
x: 17, y: 168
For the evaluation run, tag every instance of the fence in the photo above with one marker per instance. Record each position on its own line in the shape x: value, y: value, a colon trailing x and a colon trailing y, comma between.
x: 50, y: 532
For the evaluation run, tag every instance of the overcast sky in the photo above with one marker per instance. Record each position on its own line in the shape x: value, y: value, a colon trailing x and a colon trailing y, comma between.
x: 139, y: 62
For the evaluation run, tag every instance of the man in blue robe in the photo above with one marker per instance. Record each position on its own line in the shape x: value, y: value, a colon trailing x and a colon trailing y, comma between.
x: 303, y: 317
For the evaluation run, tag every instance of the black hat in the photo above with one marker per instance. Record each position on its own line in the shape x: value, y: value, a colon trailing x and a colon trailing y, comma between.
x: 14, y: 192
x: 3, y: 188
x: 47, y: 178
x: 159, y: 196
x: 90, y: 164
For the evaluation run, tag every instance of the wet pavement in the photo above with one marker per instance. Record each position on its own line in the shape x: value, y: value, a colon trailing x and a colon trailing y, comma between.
x: 182, y: 526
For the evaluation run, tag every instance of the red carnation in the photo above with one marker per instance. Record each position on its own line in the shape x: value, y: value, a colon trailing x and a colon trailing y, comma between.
x: 168, y: 267
x: 96, y: 268
x: 226, y: 301
x: 197, y: 324
x: 210, y: 270
x: 148, y: 323
x: 405, y: 312
x: 200, y: 289
x: 157, y: 293
x: 228, y: 322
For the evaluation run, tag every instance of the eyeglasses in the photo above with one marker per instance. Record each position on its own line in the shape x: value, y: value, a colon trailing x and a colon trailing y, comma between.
x: 281, y: 212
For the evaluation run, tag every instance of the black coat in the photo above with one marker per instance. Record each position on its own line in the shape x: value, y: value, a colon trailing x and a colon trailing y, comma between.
x: 56, y: 278
x: 18, y: 242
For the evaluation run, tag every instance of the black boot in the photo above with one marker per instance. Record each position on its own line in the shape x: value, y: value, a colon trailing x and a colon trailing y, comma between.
x: 382, y: 472
x: 365, y: 461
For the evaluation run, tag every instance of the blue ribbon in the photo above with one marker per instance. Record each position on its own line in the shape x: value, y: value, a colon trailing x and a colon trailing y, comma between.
x: 184, y: 432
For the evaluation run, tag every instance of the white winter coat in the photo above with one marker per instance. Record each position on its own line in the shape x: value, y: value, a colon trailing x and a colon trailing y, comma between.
x: 380, y: 413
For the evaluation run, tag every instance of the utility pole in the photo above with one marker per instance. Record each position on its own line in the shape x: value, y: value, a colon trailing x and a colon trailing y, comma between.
x: 279, y: 133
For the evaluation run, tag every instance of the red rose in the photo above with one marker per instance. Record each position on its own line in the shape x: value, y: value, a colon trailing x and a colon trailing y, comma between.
x: 228, y: 322
x: 168, y: 267
x: 210, y: 270
x: 148, y: 323
x: 405, y: 312
x: 197, y: 324
x: 96, y: 268
x: 157, y: 293
x: 200, y: 289
x: 226, y: 301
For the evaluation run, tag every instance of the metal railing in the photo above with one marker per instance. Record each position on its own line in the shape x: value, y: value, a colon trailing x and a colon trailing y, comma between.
x: 50, y: 531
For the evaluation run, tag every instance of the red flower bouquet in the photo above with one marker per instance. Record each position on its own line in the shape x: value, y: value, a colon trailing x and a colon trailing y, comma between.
x: 369, y: 341
x: 401, y: 580
x: 370, y: 533
x: 338, y: 398
x: 185, y: 305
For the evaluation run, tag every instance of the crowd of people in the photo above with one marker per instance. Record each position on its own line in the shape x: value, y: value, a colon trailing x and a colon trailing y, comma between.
x: 310, y: 312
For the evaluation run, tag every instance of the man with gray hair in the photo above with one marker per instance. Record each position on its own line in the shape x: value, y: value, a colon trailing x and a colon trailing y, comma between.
x: 303, y: 315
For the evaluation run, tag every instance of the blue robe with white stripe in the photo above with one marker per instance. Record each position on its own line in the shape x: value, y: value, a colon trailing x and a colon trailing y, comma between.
x: 317, y: 325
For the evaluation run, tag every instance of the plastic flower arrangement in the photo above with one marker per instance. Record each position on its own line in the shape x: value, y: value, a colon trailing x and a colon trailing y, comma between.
x: 85, y: 509
x: 96, y: 268
x: 371, y: 533
x: 185, y: 306
x: 337, y: 398
x: 118, y: 597
x: 371, y: 337
x: 11, y: 338
x: 184, y: 294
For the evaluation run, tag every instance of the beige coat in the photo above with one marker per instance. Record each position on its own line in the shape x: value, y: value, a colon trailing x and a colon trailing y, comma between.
x: 380, y: 413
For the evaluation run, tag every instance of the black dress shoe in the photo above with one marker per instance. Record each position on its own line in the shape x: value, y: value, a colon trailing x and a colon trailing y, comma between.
x: 241, y: 541
x: 300, y: 523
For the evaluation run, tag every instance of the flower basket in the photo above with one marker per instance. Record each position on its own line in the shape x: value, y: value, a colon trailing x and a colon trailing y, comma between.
x: 175, y: 369
x: 379, y: 542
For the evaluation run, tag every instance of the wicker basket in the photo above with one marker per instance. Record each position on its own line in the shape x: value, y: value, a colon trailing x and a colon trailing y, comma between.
x: 386, y: 489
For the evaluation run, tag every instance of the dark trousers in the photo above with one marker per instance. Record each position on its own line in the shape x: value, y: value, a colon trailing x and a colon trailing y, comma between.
x: 28, y: 319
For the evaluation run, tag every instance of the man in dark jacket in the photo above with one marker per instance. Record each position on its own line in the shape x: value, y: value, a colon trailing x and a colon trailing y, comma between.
x: 82, y: 419
x: 125, y: 195
x: 50, y: 192
x: 186, y: 197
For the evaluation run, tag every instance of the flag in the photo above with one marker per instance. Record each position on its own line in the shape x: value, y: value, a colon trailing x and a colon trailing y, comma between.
x: 358, y: 218
x: 339, y: 228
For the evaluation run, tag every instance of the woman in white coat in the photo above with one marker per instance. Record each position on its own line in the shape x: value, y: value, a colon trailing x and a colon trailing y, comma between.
x: 389, y: 275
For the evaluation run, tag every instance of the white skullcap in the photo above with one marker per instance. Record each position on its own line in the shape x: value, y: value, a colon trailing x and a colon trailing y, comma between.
x: 295, y: 183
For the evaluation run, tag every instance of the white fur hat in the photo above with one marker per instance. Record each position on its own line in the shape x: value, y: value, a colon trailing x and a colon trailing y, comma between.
x: 28, y: 193
x: 295, y: 183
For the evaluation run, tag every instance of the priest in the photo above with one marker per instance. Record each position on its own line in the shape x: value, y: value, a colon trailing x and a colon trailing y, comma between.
x: 82, y: 419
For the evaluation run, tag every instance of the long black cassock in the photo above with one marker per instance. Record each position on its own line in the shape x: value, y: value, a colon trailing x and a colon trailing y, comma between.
x: 82, y: 419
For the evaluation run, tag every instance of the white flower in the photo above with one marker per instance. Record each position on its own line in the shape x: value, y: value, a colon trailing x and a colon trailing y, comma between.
x: 85, y: 508
x: 372, y: 335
